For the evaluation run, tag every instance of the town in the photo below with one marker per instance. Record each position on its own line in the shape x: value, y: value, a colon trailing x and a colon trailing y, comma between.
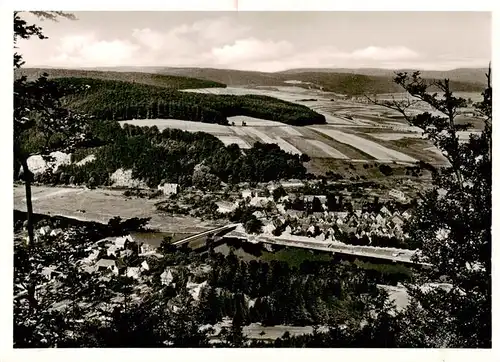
x: 276, y: 191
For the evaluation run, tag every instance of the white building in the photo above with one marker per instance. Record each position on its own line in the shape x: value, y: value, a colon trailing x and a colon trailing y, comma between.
x: 134, y: 272
x: 226, y: 207
x: 113, y: 250
x: 397, y: 194
x: 194, y: 289
x: 49, y: 272
x: 406, y: 214
x: 258, y: 214
x: 385, y: 211
x: 169, y: 189
x: 91, y: 258
x: 246, y: 193
x: 55, y: 232
x: 259, y: 201
x: 107, y: 264
x: 166, y: 277
x: 268, y: 229
x: 122, y: 240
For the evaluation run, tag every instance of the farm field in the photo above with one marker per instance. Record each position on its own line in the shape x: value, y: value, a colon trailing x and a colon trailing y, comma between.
x: 356, y: 131
x: 287, y: 147
x: 101, y: 205
x: 394, y: 136
x: 330, y: 151
x: 259, y: 135
x: 374, y: 149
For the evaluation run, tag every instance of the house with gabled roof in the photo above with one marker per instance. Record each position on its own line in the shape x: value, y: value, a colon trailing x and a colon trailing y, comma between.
x: 320, y: 237
x: 49, y: 272
x: 113, y: 250
x: 397, y: 220
x: 385, y: 211
x: 134, y: 272
x: 107, y: 265
x: 406, y: 215
x: 352, y: 221
x: 166, y: 277
x: 122, y: 242
x: 380, y: 219
x: 268, y: 228
x: 44, y: 230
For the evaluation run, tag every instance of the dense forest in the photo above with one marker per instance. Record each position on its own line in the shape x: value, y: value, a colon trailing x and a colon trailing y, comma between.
x: 117, y: 100
x: 315, y: 293
x: 173, y: 156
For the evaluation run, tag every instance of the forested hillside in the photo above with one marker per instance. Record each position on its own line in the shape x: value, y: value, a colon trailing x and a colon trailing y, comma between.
x: 116, y: 100
x: 467, y: 75
x: 172, y: 156
x: 356, y: 84
x: 160, y: 80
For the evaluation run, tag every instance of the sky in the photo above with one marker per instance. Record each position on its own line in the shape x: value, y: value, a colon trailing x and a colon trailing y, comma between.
x: 264, y: 41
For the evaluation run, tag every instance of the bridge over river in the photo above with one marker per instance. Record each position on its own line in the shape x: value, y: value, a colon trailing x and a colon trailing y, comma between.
x: 231, y: 231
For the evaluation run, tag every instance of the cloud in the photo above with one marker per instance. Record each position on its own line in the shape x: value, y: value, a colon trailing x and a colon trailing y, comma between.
x: 88, y: 50
x: 223, y: 42
x: 279, y: 57
x: 251, y: 49
x: 387, y: 53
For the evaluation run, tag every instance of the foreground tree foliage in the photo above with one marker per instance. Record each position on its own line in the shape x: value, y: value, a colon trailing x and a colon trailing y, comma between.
x: 452, y: 223
x: 75, y: 308
x: 38, y: 112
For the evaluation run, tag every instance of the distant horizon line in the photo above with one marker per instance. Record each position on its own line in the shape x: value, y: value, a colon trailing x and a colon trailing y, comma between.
x: 251, y: 70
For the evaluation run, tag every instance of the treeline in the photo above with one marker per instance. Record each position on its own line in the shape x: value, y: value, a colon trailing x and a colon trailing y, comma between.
x: 171, y: 156
x: 275, y: 293
x: 116, y: 100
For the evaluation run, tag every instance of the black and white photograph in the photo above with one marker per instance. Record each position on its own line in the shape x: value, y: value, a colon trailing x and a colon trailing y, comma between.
x: 251, y: 179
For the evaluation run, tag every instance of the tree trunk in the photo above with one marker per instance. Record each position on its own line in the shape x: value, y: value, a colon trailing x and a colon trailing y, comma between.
x: 28, y: 177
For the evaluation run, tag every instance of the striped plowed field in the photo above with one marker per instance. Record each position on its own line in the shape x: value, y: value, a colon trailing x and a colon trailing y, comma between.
x: 372, y: 148
x: 347, y: 150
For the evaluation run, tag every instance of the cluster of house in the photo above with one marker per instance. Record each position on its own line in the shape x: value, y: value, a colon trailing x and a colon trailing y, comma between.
x: 316, y: 221
x: 43, y: 232
x: 326, y: 226
x: 111, y: 255
x: 167, y: 278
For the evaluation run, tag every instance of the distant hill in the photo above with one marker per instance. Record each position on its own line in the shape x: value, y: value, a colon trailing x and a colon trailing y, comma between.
x: 349, y: 82
x: 229, y: 76
x: 466, y: 75
x: 345, y: 81
x: 159, y: 80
